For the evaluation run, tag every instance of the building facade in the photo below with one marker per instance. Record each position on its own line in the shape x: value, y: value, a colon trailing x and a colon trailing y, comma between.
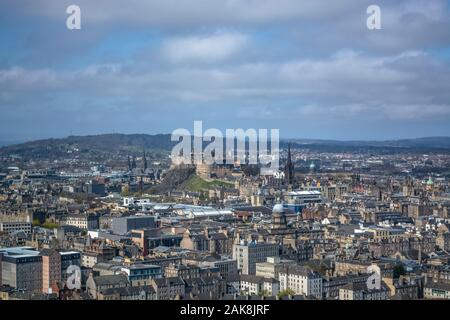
x: 247, y: 255
x: 302, y: 281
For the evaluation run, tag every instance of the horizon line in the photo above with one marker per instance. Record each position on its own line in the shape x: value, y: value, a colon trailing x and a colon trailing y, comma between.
x: 6, y: 142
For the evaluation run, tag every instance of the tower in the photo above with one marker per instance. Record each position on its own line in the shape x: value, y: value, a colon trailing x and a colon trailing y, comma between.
x: 289, y: 168
x: 129, y: 164
x: 278, y: 217
x: 145, y: 162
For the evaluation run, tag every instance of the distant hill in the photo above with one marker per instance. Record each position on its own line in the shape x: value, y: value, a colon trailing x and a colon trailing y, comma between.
x: 429, y: 144
x: 9, y: 142
x: 101, y: 146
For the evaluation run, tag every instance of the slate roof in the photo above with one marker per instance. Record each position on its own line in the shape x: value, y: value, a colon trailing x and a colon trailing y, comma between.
x: 171, y: 281
x: 117, y: 279
x: 129, y: 291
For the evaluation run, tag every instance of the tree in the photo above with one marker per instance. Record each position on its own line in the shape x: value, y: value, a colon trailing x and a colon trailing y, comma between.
x: 399, y: 270
x: 285, y: 293
x: 49, y: 225
x: 264, y: 293
x: 36, y: 223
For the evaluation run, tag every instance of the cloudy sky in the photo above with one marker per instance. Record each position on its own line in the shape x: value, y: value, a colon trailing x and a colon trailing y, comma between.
x: 311, y: 68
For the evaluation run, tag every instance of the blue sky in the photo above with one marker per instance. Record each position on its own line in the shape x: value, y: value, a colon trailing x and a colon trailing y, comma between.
x: 310, y: 68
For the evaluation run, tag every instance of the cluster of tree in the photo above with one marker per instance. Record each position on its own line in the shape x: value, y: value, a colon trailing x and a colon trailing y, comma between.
x: 286, y: 293
x: 47, y: 224
x: 399, y: 270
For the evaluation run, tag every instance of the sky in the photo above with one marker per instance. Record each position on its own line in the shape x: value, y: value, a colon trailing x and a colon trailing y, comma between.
x: 310, y: 68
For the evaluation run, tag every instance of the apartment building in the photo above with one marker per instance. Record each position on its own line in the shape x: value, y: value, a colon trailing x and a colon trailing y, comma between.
x: 301, y: 280
x: 248, y: 254
x: 15, y: 226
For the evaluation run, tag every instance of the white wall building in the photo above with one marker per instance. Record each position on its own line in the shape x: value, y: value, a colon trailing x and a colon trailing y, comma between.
x: 254, y: 285
x: 82, y: 221
x: 301, y: 280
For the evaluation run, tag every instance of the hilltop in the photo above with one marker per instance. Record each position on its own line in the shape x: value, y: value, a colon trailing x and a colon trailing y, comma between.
x: 106, y: 145
x: 92, y: 145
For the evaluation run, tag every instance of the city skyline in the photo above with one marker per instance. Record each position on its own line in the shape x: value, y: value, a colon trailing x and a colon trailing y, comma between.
x: 216, y: 158
x: 284, y: 140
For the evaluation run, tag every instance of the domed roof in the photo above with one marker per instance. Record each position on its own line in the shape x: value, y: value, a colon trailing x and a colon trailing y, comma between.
x: 278, y: 208
x: 312, y: 165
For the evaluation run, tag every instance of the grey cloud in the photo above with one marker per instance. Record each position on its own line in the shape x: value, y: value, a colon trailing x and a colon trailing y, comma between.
x: 236, y: 61
x: 347, y: 78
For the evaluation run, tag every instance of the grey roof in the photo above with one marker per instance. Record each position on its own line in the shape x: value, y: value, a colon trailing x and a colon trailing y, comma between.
x: 262, y: 209
x: 47, y: 252
x: 202, y: 281
x: 233, y: 278
x: 32, y: 296
x: 256, y: 279
x: 116, y: 279
x: 362, y: 286
x: 299, y: 270
x: 129, y: 291
x: 438, y: 285
x: 219, y: 236
x: 171, y: 281
x: 199, y: 237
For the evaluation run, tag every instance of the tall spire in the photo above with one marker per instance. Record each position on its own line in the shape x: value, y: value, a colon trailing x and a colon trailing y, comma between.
x: 145, y: 162
x: 289, y: 169
x: 129, y: 163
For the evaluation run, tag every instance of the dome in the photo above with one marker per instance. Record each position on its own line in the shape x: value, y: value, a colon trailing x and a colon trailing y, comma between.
x: 312, y: 165
x: 278, y: 208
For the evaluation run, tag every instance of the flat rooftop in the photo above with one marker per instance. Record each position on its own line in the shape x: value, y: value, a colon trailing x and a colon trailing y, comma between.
x: 19, y: 251
x: 303, y: 193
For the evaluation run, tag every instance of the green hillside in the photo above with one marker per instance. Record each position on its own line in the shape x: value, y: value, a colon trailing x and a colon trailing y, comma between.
x: 196, y: 184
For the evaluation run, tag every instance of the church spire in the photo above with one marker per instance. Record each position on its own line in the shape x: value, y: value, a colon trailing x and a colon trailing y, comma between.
x: 145, y: 162
x: 289, y: 168
x: 129, y: 163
